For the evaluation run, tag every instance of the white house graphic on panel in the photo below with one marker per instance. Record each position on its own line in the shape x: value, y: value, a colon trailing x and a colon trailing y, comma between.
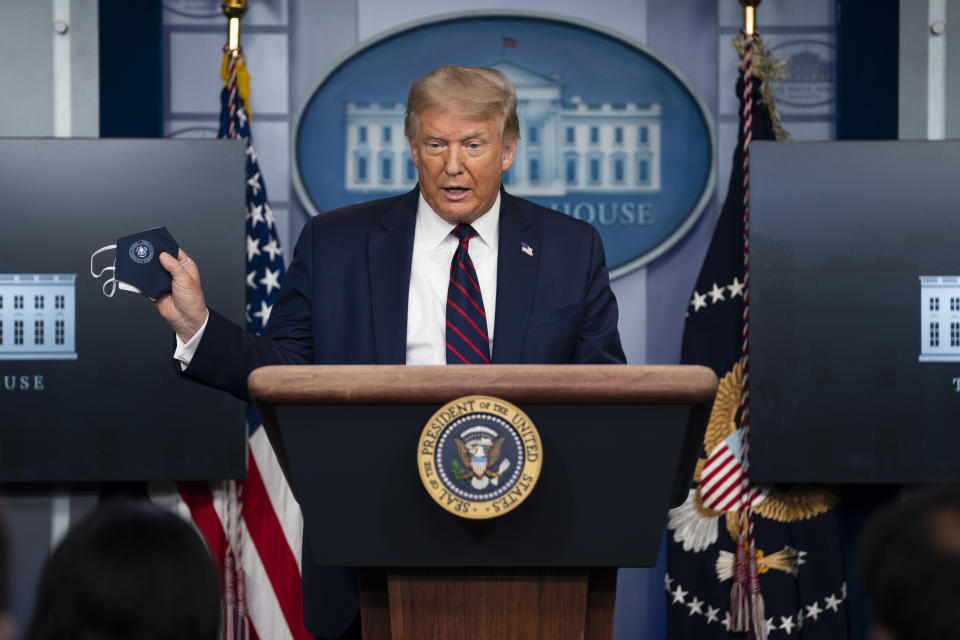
x: 37, y: 317
x: 939, y: 318
x: 566, y: 147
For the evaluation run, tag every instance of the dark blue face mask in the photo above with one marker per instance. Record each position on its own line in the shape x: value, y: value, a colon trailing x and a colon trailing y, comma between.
x: 136, y: 266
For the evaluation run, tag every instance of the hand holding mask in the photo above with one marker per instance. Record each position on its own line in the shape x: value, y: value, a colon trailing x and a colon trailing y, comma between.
x: 136, y: 265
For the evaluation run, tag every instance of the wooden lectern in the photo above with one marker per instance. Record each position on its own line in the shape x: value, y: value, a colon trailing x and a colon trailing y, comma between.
x: 619, y: 443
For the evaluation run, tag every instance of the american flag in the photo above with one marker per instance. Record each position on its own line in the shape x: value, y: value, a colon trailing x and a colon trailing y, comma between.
x: 253, y: 527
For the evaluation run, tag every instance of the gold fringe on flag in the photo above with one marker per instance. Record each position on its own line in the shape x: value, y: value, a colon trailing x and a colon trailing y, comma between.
x: 243, y: 78
x: 768, y: 68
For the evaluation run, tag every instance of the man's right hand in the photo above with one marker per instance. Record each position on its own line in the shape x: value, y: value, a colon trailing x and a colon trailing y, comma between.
x: 184, y: 308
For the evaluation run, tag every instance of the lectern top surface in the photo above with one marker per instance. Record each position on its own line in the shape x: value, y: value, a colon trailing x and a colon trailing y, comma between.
x: 557, y: 384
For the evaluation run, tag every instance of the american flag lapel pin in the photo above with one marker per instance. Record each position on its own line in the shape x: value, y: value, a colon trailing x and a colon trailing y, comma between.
x: 526, y: 249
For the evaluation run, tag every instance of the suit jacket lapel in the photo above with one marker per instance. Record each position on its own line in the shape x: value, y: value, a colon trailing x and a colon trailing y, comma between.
x: 516, y: 279
x: 391, y: 252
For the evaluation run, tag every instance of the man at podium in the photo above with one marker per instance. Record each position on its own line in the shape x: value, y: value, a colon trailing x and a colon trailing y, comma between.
x: 457, y: 271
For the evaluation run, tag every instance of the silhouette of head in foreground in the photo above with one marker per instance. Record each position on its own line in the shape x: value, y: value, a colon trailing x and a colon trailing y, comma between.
x: 128, y: 571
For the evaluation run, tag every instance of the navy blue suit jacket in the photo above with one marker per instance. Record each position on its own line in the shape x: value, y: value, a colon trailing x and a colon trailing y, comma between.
x: 344, y: 301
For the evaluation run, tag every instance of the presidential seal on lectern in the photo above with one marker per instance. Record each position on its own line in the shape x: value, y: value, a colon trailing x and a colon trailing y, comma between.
x: 479, y: 457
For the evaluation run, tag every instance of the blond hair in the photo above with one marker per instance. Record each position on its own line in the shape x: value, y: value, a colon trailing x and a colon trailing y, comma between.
x: 474, y: 91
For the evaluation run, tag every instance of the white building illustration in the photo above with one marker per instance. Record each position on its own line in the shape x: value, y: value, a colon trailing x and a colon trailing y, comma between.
x: 37, y: 316
x: 565, y: 147
x: 939, y: 318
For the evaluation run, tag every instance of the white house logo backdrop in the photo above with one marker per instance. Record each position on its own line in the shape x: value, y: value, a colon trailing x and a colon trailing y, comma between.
x: 37, y: 318
x: 609, y: 133
x: 939, y: 319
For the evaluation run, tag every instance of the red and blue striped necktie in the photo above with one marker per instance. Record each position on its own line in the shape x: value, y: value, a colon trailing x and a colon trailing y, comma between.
x: 467, y: 341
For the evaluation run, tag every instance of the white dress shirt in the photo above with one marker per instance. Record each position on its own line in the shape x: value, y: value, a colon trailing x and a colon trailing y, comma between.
x: 433, y: 247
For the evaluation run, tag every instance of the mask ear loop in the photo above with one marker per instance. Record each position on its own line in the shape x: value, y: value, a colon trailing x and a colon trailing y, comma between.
x: 112, y: 269
x: 108, y: 283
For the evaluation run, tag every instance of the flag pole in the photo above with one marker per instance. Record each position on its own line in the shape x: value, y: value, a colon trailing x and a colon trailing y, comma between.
x: 236, y: 623
x: 749, y: 15
x: 234, y: 10
x: 747, y: 607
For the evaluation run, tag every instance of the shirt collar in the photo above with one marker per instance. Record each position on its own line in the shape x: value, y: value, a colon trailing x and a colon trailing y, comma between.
x: 432, y: 230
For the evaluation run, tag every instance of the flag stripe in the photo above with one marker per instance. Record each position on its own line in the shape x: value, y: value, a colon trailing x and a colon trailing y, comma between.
x: 729, y: 491
x: 719, y: 465
x: 271, y: 545
x: 732, y: 502
x: 724, y: 499
x: 266, y: 615
x: 199, y: 500
x: 283, y: 501
x: 718, y: 481
x: 722, y: 453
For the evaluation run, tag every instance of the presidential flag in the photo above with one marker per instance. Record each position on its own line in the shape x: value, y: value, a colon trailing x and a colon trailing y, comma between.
x: 253, y: 527
x: 797, y: 558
